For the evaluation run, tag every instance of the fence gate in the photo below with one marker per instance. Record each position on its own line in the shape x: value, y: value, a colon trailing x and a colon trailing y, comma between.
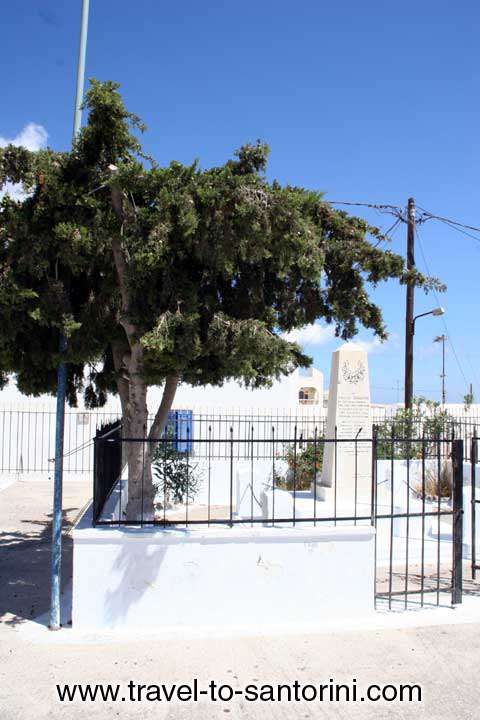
x: 417, y: 508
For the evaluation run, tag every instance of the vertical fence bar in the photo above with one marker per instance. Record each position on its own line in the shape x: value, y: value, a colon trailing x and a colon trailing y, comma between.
x: 187, y: 479
x: 373, y: 520
x: 143, y: 479
x: 473, y: 476
x: 95, y: 480
x: 356, y: 476
x: 251, y: 476
x: 457, y: 462
x: 392, y: 507
x: 10, y: 444
x: 20, y: 437
x: 120, y: 481
x: 164, y: 476
x: 335, y: 477
x: 439, y: 509
x: 273, y: 476
x: 294, y: 471
x: 231, y: 477
x: 422, y: 560
x: 315, y: 477
x: 209, y: 453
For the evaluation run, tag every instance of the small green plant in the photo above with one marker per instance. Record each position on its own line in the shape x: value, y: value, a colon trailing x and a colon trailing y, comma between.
x: 175, y: 477
x: 468, y: 401
x: 411, y: 432
x: 304, y: 460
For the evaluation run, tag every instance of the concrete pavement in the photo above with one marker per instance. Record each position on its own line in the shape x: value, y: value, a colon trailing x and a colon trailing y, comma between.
x: 442, y: 659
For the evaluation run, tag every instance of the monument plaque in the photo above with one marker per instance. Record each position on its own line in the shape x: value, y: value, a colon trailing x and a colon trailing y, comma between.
x: 348, y: 463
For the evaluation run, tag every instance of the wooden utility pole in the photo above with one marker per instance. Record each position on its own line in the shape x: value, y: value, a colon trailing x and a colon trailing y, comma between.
x: 409, y: 328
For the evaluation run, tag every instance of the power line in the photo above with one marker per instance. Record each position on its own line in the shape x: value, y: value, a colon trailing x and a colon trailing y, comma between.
x: 399, y: 210
x: 458, y: 229
x: 363, y: 204
x: 449, y: 220
x: 443, y: 317
x: 400, y: 214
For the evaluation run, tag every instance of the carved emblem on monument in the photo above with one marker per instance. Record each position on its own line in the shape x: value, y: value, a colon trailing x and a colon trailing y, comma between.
x: 353, y: 375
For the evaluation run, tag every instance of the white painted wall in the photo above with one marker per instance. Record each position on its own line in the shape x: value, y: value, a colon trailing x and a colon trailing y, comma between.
x: 230, y: 396
x: 222, y: 577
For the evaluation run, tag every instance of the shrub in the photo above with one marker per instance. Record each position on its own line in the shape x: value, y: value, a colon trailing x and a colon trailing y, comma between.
x: 304, y: 460
x: 404, y: 435
x: 435, y: 482
x: 174, y: 475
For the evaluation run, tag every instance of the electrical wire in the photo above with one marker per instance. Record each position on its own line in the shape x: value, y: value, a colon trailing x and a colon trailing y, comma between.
x: 467, y: 384
x: 362, y: 204
x: 448, y: 220
x: 399, y: 213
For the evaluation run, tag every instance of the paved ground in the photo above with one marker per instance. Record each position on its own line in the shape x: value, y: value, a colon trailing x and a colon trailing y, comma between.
x: 25, y: 536
x: 443, y: 660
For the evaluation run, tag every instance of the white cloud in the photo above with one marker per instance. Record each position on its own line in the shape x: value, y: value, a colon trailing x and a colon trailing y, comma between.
x: 321, y: 334
x: 311, y: 334
x: 369, y: 346
x: 376, y: 346
x: 33, y: 137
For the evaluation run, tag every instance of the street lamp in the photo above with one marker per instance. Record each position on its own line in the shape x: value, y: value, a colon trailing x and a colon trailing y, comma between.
x: 437, y: 311
x: 409, y: 354
x: 442, y: 338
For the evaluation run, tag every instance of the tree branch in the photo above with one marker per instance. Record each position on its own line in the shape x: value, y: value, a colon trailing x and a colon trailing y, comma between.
x: 169, y: 390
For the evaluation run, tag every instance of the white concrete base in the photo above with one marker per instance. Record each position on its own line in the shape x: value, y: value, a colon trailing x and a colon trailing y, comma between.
x: 220, y: 576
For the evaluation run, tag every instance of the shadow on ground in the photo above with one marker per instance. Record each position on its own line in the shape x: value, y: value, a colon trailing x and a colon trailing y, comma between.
x: 25, y: 557
x: 25, y: 546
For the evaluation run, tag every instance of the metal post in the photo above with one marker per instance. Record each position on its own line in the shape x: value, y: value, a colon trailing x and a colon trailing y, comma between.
x: 82, y: 52
x: 457, y: 462
x: 473, y: 475
x: 373, y: 518
x: 62, y: 376
x: 409, y: 306
x: 443, y: 370
x: 57, y: 494
x: 231, y: 478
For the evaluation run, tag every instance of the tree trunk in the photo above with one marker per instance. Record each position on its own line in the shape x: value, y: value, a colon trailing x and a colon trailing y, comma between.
x: 141, y: 492
x: 128, y: 360
x: 140, y: 445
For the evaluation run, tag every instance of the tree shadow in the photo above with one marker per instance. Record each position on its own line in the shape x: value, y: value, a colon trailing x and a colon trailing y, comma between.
x: 25, y: 557
x: 136, y: 569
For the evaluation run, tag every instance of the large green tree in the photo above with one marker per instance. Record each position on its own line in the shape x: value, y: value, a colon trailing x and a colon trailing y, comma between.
x: 168, y: 275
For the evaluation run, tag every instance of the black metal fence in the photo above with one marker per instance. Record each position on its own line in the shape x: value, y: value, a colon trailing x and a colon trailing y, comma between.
x: 107, y: 464
x: 27, y: 437
x: 419, y: 523
x: 414, y: 498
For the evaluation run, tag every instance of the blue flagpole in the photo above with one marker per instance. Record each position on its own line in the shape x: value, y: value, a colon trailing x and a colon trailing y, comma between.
x: 62, y: 376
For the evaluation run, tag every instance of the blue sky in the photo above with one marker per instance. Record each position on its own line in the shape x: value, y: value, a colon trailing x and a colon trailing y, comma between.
x: 369, y: 101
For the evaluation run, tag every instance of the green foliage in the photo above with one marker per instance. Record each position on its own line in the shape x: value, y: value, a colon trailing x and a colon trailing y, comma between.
x: 421, y: 425
x: 468, y: 400
x: 219, y: 263
x: 175, y: 476
x: 304, y: 460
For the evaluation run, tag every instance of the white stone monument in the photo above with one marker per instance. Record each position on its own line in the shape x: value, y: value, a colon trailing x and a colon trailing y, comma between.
x: 347, y: 466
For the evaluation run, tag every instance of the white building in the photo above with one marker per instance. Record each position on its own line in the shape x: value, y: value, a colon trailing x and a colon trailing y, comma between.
x: 300, y: 390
